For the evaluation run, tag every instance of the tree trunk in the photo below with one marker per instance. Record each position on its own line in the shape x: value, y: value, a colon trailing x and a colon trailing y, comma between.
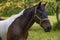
x: 57, y: 11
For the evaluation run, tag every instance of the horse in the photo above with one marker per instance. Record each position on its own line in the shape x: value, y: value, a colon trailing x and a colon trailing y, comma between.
x: 16, y: 27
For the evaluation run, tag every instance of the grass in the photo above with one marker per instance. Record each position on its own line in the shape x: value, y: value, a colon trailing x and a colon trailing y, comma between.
x: 56, y: 26
x: 37, y: 33
x: 41, y: 35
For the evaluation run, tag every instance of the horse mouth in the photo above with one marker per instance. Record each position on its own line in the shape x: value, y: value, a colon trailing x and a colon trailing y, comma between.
x: 48, y: 29
x: 46, y: 26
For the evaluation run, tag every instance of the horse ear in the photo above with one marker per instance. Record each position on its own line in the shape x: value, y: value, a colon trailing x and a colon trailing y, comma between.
x: 39, y: 4
x: 45, y: 4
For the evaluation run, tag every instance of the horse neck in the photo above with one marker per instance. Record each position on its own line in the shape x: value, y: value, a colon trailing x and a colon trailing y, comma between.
x: 31, y: 21
x: 25, y: 20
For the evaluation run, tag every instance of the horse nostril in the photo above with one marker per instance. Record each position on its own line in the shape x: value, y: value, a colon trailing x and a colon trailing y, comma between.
x: 48, y: 29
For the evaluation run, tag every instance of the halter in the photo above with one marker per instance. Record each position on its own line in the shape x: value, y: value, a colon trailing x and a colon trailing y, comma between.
x: 41, y: 20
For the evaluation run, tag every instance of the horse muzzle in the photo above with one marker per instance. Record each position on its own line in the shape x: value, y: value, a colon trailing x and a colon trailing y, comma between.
x: 48, y: 29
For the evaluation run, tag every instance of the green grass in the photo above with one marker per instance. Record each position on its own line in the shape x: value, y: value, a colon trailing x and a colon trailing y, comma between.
x: 37, y: 33
x: 41, y: 35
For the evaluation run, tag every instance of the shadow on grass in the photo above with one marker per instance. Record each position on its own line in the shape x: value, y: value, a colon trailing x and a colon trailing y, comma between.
x: 56, y: 26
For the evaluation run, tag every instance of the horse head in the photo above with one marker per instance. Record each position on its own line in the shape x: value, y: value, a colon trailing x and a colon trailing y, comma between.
x: 41, y: 17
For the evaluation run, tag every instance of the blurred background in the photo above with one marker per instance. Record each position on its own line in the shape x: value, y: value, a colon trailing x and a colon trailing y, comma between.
x: 11, y: 7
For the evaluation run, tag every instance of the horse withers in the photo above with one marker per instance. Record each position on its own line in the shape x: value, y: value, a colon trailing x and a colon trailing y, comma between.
x: 16, y: 27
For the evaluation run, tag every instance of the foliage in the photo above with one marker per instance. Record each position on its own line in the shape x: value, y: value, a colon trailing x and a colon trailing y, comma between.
x: 57, y: 11
x: 10, y: 11
x: 57, y: 0
x: 10, y: 7
x: 2, y: 1
x: 56, y: 26
x: 51, y: 8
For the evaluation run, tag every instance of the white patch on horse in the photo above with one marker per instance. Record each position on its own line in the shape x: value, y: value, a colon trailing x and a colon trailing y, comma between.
x: 4, y: 25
